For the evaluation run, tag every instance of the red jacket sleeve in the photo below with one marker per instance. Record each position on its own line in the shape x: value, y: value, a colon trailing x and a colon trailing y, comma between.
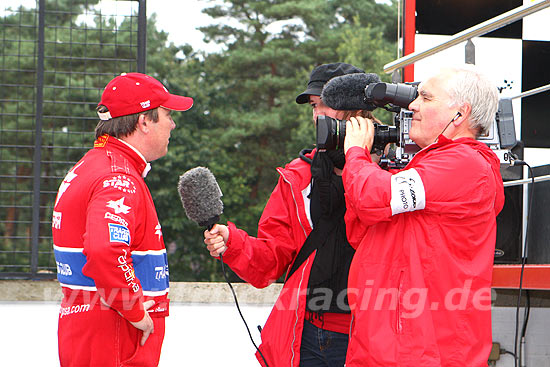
x: 367, y: 188
x: 262, y: 260
x: 108, y: 246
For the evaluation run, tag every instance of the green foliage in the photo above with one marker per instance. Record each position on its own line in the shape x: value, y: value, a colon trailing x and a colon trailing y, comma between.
x: 366, y: 45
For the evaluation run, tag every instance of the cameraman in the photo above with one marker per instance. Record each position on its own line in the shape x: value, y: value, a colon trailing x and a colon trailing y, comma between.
x: 301, y: 232
x: 419, y: 285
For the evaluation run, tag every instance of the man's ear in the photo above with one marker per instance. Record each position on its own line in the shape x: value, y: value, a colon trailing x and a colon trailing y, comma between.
x: 464, y: 112
x: 142, y: 124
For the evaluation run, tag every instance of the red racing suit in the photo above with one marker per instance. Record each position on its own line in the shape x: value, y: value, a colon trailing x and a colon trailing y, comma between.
x: 419, y: 284
x: 282, y: 230
x: 108, y: 242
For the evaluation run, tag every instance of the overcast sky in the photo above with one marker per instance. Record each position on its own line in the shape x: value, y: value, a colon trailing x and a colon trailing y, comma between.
x: 178, y: 18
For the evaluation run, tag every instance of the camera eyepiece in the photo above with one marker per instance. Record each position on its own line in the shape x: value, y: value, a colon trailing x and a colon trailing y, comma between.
x: 397, y: 94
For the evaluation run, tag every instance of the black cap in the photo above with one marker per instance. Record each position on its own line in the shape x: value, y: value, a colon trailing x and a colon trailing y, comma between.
x: 322, y: 74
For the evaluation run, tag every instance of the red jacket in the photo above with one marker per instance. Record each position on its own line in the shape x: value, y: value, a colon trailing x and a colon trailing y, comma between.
x: 261, y: 260
x: 106, y: 233
x: 419, y: 284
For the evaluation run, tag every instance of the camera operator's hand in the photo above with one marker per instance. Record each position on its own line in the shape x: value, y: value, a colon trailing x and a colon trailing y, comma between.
x: 215, y: 239
x: 359, y: 133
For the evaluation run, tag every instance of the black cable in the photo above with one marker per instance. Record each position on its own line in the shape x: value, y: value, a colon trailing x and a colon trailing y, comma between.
x: 504, y: 351
x: 517, y: 312
x: 526, y: 312
x: 523, y: 260
x: 239, y: 309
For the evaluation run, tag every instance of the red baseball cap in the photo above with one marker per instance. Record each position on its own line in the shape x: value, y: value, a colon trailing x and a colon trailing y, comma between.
x: 131, y: 93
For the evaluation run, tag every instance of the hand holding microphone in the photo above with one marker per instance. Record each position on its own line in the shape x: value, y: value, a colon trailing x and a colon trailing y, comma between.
x: 215, y: 239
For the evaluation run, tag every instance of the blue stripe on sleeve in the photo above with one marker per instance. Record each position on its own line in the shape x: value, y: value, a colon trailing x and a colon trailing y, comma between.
x: 152, y: 271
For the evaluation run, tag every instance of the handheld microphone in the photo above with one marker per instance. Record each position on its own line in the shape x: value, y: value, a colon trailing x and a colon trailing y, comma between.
x: 347, y: 92
x: 201, y: 196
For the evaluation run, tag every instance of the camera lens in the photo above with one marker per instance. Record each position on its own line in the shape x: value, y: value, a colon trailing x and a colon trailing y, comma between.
x: 330, y: 133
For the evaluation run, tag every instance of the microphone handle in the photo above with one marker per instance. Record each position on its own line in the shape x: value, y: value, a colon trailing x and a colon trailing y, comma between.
x: 209, y: 223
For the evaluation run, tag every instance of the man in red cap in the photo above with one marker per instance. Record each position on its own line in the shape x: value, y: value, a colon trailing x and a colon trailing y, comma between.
x: 108, y: 245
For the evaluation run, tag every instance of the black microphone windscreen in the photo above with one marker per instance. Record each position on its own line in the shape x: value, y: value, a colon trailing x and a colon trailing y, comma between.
x: 347, y: 92
x: 201, y: 196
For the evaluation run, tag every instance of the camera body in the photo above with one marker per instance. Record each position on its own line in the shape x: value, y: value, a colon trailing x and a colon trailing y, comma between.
x: 396, y: 98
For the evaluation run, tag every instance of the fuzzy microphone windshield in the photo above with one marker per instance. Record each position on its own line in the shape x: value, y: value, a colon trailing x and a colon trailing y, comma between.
x: 347, y: 92
x: 201, y: 196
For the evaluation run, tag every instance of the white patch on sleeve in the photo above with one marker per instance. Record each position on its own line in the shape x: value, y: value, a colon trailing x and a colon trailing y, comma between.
x: 407, y: 192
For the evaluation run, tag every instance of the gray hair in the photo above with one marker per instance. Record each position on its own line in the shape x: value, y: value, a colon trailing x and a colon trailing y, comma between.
x: 467, y: 84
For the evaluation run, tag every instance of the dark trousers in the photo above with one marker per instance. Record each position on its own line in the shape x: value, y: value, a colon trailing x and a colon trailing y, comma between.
x: 322, y: 347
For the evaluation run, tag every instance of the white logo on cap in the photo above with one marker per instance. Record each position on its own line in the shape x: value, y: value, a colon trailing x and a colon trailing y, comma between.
x: 145, y: 104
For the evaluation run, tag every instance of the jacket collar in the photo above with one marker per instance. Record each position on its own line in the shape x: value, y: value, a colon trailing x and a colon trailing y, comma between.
x: 137, y: 159
x: 442, y: 140
x: 482, y: 148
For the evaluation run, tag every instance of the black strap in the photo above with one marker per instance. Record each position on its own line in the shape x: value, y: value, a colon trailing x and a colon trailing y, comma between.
x: 322, y: 224
x: 303, y: 157
x: 316, y: 237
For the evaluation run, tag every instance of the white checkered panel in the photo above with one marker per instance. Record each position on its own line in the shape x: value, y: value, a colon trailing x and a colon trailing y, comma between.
x: 514, y: 64
x: 499, y: 58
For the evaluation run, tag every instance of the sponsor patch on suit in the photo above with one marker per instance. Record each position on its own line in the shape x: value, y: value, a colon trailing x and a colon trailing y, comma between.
x: 119, y: 233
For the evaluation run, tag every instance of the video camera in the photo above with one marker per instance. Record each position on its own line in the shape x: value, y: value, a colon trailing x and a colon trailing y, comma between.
x: 396, y: 98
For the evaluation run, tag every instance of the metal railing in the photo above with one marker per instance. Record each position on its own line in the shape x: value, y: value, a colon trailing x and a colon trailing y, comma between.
x: 475, y: 31
x: 55, y: 59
